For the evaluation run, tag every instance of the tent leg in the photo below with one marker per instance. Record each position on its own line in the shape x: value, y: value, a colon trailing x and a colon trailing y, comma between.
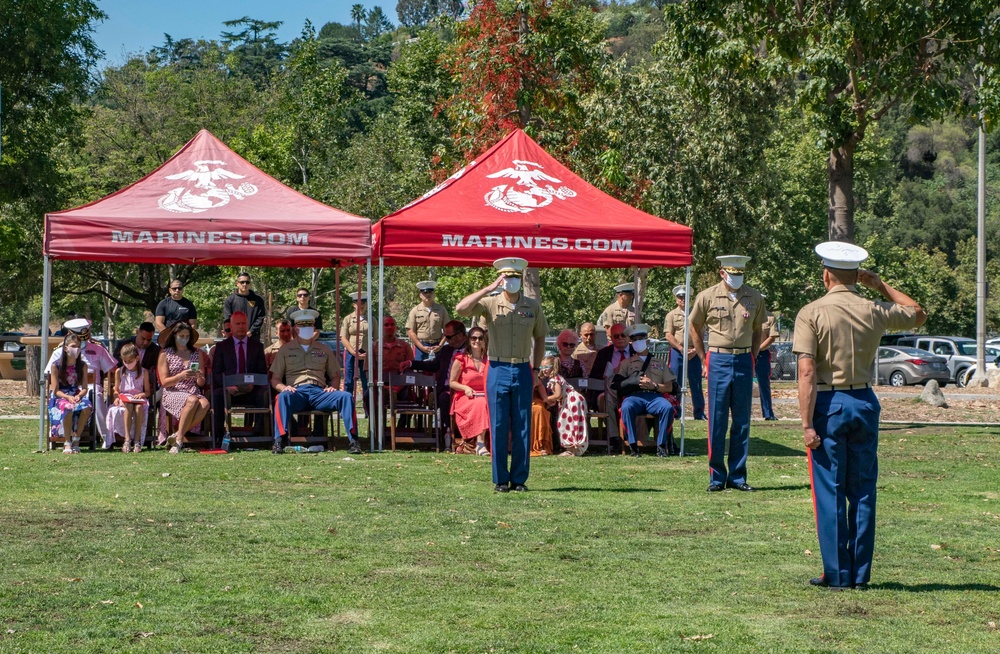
x: 381, y: 380
x: 684, y: 359
x: 43, y: 395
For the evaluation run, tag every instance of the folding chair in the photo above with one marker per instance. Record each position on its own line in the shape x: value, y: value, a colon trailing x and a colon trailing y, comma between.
x: 60, y: 440
x: 204, y: 440
x: 431, y: 433
x: 305, y: 432
x: 595, y: 435
x: 244, y: 435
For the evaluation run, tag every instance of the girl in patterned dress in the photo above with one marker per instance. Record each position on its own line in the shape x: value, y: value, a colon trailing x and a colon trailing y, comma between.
x: 572, y: 420
x: 69, y: 403
x: 181, y: 368
x: 129, y: 412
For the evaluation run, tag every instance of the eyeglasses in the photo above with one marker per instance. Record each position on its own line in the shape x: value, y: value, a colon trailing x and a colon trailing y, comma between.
x: 450, y: 335
x: 476, y: 338
x: 176, y: 288
x: 227, y: 331
x: 242, y: 281
x: 301, y: 295
x: 618, y: 336
x: 567, y: 345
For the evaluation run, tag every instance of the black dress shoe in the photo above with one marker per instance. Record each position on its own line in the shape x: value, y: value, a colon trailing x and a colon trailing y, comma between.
x: 861, y: 586
x: 770, y: 418
x: 745, y: 487
x: 500, y: 488
x: 700, y: 418
x: 519, y: 488
x: 823, y: 583
x: 661, y: 452
x: 354, y: 448
x: 633, y: 450
x: 675, y: 451
x: 276, y: 448
x: 716, y: 488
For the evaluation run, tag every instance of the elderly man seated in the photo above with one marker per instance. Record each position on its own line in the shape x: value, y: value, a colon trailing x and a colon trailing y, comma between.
x: 306, y: 374
x: 642, y: 382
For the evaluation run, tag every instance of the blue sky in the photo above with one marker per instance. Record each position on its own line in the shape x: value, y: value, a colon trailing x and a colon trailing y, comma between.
x: 137, y: 25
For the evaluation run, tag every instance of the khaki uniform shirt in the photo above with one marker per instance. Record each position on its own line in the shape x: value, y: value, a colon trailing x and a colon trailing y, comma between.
x: 293, y: 365
x: 731, y: 323
x: 391, y: 354
x: 770, y: 327
x: 512, y: 326
x: 271, y: 351
x: 842, y: 331
x: 673, y: 324
x: 351, y: 332
x: 427, y: 322
x: 657, y: 369
x: 614, y: 314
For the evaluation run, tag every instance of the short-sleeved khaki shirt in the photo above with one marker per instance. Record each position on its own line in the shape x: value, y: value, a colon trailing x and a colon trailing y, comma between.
x: 318, y: 365
x: 657, y: 370
x: 354, y: 333
x: 842, y: 331
x: 731, y: 323
x: 427, y: 322
x: 512, y: 327
x: 614, y: 315
x: 673, y: 324
x: 770, y: 327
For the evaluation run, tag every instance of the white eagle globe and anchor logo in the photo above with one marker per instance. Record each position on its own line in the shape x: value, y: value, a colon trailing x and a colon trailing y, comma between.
x: 185, y: 199
x: 526, y: 194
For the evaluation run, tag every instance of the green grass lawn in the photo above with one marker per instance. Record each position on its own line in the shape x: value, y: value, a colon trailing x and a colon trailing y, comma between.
x: 413, y: 552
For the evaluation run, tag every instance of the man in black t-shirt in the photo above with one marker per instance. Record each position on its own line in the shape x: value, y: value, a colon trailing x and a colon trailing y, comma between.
x: 245, y: 300
x: 175, y: 308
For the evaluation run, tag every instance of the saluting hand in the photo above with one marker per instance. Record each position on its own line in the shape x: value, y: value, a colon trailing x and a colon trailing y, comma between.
x: 869, y: 279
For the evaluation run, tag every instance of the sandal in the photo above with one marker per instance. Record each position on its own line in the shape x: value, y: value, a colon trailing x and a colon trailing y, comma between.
x: 126, y: 447
x: 67, y: 449
x: 137, y: 448
x: 481, y: 450
x: 171, y: 440
x: 176, y: 449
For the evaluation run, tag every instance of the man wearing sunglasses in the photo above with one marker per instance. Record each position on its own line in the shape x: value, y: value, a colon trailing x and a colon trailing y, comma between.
x: 425, y: 324
x: 175, y: 308
x: 606, y: 364
x: 517, y: 330
x: 245, y: 300
x: 302, y: 302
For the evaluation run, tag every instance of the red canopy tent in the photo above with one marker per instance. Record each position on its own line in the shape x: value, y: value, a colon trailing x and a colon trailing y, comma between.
x: 209, y: 206
x: 517, y: 200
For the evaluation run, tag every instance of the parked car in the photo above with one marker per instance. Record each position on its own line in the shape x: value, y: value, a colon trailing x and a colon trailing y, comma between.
x: 958, y: 350
x: 992, y: 363
x: 783, y: 361
x: 893, y: 339
x: 899, y: 365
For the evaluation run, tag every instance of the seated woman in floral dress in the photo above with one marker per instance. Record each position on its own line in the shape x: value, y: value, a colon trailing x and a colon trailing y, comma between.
x: 182, y: 368
x: 69, y: 403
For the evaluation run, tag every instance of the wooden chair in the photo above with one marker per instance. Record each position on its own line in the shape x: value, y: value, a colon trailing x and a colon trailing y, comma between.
x: 244, y: 435
x: 425, y: 407
x: 596, y: 435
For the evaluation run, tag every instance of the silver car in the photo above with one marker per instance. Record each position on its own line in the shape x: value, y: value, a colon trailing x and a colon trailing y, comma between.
x: 899, y: 365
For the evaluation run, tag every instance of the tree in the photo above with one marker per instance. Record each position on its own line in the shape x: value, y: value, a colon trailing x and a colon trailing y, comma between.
x: 257, y: 52
x: 358, y: 14
x: 376, y: 24
x: 416, y: 13
x: 853, y: 62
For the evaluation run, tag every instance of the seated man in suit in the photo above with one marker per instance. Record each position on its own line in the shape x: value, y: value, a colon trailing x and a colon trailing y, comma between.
x: 237, y: 354
x: 440, y: 365
x: 609, y: 358
x: 306, y: 374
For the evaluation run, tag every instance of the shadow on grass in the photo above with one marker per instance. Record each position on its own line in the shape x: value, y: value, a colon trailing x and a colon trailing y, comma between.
x: 569, y: 489
x: 931, y: 588
x: 782, y: 488
x: 758, y: 447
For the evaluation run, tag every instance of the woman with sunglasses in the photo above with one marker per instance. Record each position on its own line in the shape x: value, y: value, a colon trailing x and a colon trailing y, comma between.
x: 468, y: 385
x: 569, y: 366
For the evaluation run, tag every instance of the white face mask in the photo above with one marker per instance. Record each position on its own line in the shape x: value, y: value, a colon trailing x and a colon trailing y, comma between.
x: 733, y: 281
x: 72, y: 352
x: 305, y: 333
x: 181, y: 341
x: 512, y: 284
x: 639, y: 346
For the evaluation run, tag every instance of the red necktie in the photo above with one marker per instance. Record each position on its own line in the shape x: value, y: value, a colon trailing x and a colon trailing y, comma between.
x: 241, y: 358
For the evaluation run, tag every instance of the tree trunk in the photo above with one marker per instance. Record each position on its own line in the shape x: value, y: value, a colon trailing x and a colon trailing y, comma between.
x: 840, y: 176
x: 315, y: 281
x: 32, y: 369
x: 642, y: 283
x: 532, y: 284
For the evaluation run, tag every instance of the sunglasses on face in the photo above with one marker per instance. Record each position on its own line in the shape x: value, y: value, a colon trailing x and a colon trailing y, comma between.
x: 475, y: 338
x: 302, y: 295
x: 617, y: 336
x: 567, y: 345
x: 176, y: 288
x: 242, y: 281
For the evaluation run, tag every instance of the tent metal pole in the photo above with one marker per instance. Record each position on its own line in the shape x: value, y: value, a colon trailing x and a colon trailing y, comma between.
x: 43, y: 391
x: 381, y: 380
x: 684, y: 345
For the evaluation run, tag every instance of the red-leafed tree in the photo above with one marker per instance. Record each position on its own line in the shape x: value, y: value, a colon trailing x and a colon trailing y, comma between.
x: 522, y: 64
